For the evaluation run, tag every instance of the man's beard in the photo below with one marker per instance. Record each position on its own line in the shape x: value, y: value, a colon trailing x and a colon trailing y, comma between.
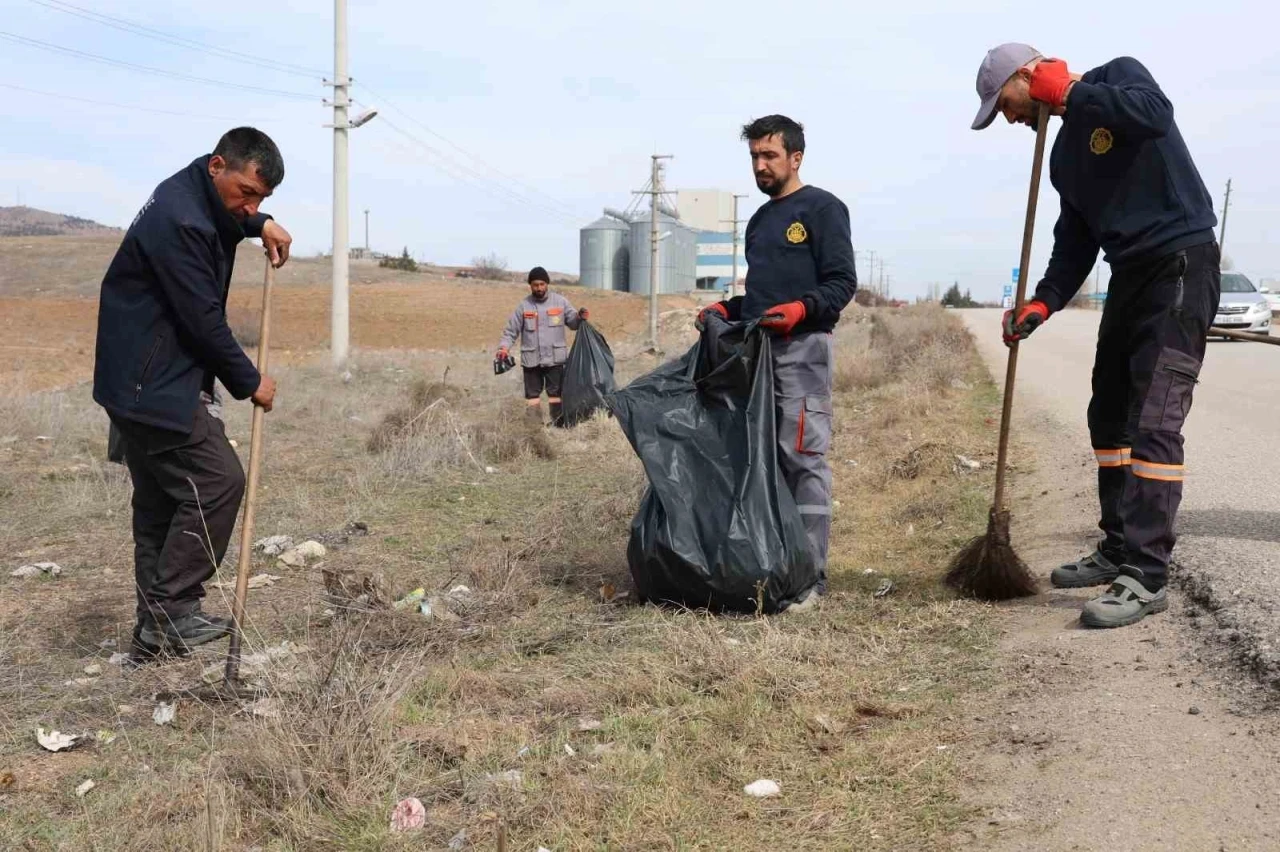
x: 769, y: 185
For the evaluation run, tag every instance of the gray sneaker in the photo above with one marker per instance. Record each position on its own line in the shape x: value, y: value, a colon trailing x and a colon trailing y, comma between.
x: 806, y: 603
x: 1126, y: 602
x: 1092, y: 570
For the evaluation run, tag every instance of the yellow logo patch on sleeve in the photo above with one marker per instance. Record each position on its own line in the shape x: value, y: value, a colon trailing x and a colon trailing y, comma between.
x: 1101, y: 140
x: 796, y: 233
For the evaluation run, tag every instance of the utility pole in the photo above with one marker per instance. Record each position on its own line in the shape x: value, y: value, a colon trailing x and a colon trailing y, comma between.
x: 733, y: 286
x: 366, y: 231
x: 655, y: 197
x: 1226, y: 203
x: 339, y: 318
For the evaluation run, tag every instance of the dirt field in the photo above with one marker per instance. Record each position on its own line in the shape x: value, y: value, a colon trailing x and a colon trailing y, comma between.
x: 542, y: 704
x: 49, y: 291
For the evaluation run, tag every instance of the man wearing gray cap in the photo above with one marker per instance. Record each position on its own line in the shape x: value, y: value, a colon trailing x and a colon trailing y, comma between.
x: 1128, y: 186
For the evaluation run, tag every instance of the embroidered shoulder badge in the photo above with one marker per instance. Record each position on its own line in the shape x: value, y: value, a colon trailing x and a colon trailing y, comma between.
x: 796, y: 233
x: 1101, y: 140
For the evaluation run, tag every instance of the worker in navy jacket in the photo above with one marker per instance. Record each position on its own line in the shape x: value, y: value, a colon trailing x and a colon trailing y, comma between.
x: 1127, y: 186
x: 162, y: 342
x: 800, y: 276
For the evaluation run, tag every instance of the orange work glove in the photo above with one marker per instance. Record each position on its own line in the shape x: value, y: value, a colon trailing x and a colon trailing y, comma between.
x: 783, y: 318
x: 717, y: 308
x: 1028, y: 319
x: 1050, y: 81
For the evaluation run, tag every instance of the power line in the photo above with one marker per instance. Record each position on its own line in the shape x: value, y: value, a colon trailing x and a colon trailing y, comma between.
x: 391, y: 104
x: 117, y: 106
x: 93, y: 57
x: 472, y: 178
x: 135, y: 28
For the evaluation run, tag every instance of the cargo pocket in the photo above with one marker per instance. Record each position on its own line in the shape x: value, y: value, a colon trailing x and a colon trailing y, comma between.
x: 813, y: 432
x: 560, y: 353
x: 531, y: 322
x: 1168, y: 399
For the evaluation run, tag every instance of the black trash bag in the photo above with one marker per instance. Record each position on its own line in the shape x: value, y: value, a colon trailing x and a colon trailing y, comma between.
x: 717, y: 526
x: 588, y: 375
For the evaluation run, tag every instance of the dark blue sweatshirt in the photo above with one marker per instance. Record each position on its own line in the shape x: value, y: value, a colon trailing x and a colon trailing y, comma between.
x: 162, y: 327
x: 1125, y: 179
x: 799, y: 249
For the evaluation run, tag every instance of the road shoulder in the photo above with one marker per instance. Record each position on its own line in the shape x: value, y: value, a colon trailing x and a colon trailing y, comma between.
x: 1119, y: 740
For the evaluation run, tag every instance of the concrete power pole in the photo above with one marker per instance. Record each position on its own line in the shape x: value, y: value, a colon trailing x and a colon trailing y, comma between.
x: 339, y: 318
x: 1226, y: 202
x: 736, y: 222
x: 366, y: 231
x: 655, y: 199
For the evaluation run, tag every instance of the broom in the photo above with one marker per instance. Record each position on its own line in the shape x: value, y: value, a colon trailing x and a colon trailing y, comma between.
x: 988, y: 568
x: 232, y: 677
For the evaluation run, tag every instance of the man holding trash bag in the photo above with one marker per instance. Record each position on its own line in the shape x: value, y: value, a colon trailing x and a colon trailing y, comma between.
x: 539, y: 321
x: 800, y: 276
x: 162, y: 341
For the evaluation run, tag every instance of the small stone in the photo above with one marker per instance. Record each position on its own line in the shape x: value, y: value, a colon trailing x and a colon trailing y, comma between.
x: 585, y: 724
x: 83, y: 789
x: 1194, y: 711
x: 93, y: 669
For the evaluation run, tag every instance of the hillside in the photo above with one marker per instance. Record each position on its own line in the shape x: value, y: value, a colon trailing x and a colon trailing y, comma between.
x: 30, y: 222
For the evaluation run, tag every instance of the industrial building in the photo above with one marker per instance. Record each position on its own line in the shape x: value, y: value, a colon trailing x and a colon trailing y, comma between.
x: 695, y: 248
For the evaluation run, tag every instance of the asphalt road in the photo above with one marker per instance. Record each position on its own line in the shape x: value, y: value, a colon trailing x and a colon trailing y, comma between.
x: 1228, y: 552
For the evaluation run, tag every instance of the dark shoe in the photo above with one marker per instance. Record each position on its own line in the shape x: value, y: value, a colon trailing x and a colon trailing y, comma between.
x: 1096, y: 569
x: 183, y: 632
x: 148, y: 646
x: 557, y: 415
x: 1126, y: 602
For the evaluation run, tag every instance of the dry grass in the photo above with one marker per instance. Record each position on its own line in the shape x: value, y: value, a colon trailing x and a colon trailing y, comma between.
x: 630, y: 727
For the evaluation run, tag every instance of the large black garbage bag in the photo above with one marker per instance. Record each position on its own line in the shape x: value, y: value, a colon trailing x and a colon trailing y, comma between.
x: 717, y: 526
x: 588, y: 375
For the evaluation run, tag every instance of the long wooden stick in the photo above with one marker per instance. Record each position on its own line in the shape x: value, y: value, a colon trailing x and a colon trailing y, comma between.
x: 1244, y: 335
x: 251, y: 490
x: 1042, y: 127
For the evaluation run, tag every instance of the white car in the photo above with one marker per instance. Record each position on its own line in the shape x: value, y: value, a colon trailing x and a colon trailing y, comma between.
x: 1273, y: 299
x: 1242, y: 307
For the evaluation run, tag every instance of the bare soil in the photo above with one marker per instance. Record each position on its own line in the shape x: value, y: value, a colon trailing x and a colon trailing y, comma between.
x: 1140, y: 738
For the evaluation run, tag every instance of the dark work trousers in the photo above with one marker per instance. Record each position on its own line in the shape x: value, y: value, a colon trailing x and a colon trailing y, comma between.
x: 1151, y: 343
x: 536, y: 378
x: 186, y: 494
x: 802, y: 373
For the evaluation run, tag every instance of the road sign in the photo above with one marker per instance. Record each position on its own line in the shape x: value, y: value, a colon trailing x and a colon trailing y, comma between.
x: 1007, y: 302
x: 1008, y: 290
x: 1016, y: 269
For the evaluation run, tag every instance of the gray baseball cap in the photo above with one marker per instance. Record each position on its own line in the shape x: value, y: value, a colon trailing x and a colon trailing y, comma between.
x: 1000, y: 65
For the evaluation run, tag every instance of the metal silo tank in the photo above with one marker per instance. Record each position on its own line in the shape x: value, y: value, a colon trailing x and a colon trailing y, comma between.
x: 677, y: 255
x: 603, y: 254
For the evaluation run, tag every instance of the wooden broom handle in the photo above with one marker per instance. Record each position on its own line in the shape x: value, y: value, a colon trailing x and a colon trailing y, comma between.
x: 1033, y: 194
x: 251, y: 490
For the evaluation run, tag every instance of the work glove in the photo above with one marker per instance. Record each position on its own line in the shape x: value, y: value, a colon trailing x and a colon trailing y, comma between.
x: 502, y: 354
x: 783, y: 318
x: 583, y: 313
x: 1019, y: 324
x: 718, y: 308
x: 1050, y: 81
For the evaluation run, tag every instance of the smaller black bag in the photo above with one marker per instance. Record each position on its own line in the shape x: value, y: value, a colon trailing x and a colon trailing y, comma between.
x: 588, y: 375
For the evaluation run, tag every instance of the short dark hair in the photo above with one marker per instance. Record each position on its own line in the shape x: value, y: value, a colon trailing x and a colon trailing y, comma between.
x: 792, y: 132
x: 244, y: 145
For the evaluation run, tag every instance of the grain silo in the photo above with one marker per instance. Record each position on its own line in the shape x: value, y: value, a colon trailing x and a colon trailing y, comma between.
x: 603, y: 255
x: 677, y: 255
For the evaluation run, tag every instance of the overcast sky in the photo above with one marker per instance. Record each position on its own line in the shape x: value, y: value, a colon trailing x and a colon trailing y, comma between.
x: 551, y: 111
